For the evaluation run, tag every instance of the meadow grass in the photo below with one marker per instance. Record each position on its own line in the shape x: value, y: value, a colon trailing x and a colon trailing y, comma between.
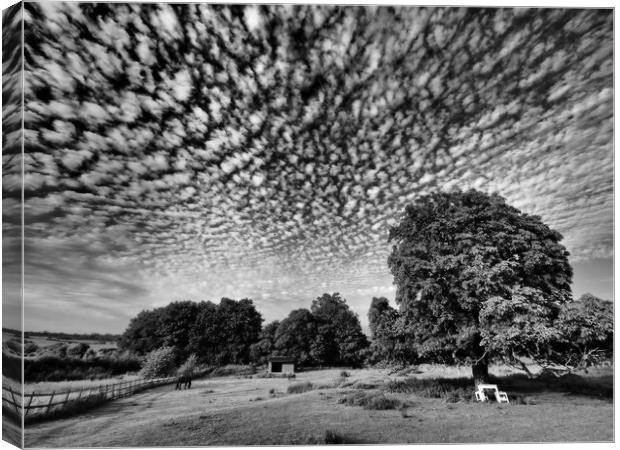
x: 169, y: 417
x: 299, y: 388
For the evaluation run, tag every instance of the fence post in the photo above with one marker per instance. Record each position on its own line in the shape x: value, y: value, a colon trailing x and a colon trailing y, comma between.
x: 67, y: 397
x: 29, y: 403
x: 49, y: 405
x: 14, y: 401
x: 80, y: 394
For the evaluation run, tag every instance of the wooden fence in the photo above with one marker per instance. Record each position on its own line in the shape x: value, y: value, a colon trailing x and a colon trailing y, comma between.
x: 42, y: 404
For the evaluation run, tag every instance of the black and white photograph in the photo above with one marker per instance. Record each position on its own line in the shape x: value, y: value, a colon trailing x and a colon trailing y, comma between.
x: 306, y: 224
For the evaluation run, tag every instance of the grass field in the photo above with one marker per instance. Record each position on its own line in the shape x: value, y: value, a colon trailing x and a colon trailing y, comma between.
x: 251, y: 411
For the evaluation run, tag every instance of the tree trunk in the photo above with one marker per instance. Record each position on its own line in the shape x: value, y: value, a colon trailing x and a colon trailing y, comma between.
x: 480, y: 371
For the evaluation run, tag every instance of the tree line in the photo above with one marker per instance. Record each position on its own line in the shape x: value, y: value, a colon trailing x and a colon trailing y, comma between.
x: 231, y: 333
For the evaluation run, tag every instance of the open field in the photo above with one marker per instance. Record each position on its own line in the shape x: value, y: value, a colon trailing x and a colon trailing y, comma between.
x: 244, y: 411
x: 47, y: 342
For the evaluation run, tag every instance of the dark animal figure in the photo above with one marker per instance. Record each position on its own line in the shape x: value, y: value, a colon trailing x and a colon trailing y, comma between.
x: 185, y: 381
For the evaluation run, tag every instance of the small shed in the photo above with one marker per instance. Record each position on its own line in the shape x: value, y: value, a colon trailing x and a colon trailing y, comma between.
x: 281, y: 364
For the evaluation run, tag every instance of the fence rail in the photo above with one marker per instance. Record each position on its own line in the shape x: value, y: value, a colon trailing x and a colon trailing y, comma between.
x: 38, y: 403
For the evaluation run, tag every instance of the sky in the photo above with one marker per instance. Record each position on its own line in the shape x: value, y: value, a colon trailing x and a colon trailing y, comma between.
x: 177, y: 152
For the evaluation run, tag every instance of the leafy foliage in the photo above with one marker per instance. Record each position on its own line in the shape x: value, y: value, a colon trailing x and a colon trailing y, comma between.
x: 260, y: 351
x: 329, y: 334
x: 295, y: 336
x: 78, y: 350
x: 388, y: 333
x: 189, y: 366
x: 340, y: 340
x: 159, y: 363
x: 587, y: 329
x: 218, y: 334
x: 476, y: 278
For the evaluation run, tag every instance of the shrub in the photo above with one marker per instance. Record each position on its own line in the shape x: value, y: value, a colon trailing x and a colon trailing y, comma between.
x: 233, y: 369
x: 333, y: 438
x: 372, y: 401
x: 381, y: 402
x: 53, y: 368
x: 344, y: 374
x: 300, y: 388
x: 432, y: 388
x: 272, y: 391
x: 189, y: 366
x: 14, y: 345
x: 12, y: 366
x: 159, y: 363
x: 78, y: 350
x: 30, y: 347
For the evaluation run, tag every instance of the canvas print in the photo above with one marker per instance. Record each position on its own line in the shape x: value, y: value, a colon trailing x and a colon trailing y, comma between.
x: 306, y: 224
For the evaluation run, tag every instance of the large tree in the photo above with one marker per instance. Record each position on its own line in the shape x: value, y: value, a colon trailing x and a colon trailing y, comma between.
x: 471, y: 270
x: 295, y: 336
x: 339, y: 340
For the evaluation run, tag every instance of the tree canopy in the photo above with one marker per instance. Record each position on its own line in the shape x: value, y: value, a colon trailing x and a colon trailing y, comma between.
x: 328, y: 334
x: 477, y: 278
x: 340, y: 340
x: 295, y: 336
x: 217, y: 333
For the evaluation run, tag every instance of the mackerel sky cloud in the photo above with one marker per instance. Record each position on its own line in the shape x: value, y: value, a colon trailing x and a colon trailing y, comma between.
x: 194, y: 152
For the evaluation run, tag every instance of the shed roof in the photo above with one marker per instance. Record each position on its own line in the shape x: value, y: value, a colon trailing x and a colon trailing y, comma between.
x: 282, y: 359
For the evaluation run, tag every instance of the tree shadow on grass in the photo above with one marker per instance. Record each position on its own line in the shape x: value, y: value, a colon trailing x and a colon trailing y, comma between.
x: 592, y: 386
x: 454, y: 389
x: 333, y: 437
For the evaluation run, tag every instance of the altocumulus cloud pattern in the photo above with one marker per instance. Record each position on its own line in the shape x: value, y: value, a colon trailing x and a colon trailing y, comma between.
x: 194, y: 151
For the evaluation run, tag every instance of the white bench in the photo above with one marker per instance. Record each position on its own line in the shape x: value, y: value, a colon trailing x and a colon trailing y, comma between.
x: 481, y: 396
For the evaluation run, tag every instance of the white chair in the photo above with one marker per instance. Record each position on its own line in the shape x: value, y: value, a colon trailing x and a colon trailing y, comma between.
x: 481, y: 396
x: 501, y: 397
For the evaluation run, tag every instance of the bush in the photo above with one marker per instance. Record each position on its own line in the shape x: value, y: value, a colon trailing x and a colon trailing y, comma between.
x: 14, y: 345
x: 372, y: 401
x: 30, y: 347
x: 344, y: 374
x: 299, y: 388
x: 78, y: 350
x: 432, y: 388
x: 233, y: 369
x: 159, y: 363
x: 53, y: 368
x: 381, y: 402
x: 12, y: 367
x: 331, y: 438
x: 189, y: 366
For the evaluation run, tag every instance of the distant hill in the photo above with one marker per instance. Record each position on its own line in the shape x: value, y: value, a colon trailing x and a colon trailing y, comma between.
x: 107, y: 337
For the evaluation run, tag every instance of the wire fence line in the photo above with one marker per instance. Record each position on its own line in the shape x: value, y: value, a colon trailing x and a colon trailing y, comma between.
x: 41, y: 404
